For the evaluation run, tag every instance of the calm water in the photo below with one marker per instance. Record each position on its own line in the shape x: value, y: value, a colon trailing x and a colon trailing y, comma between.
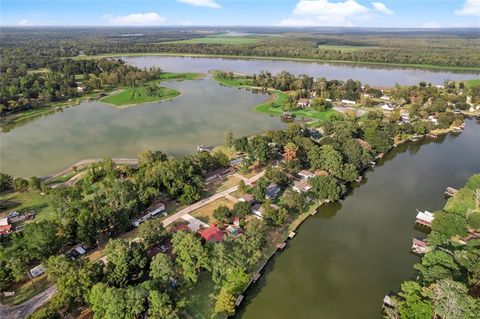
x: 92, y: 129
x: 199, y: 116
x: 373, y: 75
x: 347, y: 257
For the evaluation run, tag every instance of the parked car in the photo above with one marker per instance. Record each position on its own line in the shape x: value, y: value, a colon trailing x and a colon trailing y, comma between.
x: 14, y: 214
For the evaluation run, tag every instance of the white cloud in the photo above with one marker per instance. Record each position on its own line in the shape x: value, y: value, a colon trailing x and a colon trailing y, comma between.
x: 469, y: 8
x: 326, y: 13
x: 202, y: 3
x: 380, y: 7
x: 25, y: 23
x: 431, y: 25
x: 135, y: 19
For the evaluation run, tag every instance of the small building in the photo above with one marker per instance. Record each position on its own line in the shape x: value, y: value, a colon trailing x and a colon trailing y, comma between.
x: 247, y: 198
x: 273, y: 190
x: 405, y: 118
x: 156, y: 209
x: 348, y: 102
x: 303, y: 103
x: 257, y: 209
x: 419, y: 246
x: 305, y: 174
x: 425, y: 218
x: 218, y: 173
x: 387, y: 107
x: 36, y: 271
x: 236, y: 162
x: 385, y: 98
x: 203, y: 148
x: 80, y: 87
x: 301, y: 186
x: 5, y: 226
x: 212, y: 234
x: 433, y: 119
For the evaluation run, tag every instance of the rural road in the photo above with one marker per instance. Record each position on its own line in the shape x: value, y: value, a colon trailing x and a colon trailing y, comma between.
x: 170, y: 219
x: 28, y: 307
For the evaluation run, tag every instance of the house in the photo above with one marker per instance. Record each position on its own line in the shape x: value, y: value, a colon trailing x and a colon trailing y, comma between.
x: 387, y: 107
x: 236, y: 162
x: 156, y: 209
x: 247, y: 198
x: 301, y: 186
x: 5, y: 226
x: 76, y: 252
x: 433, y: 119
x: 212, y: 234
x: 364, y: 144
x: 257, y: 209
x: 303, y: 103
x: 385, y: 98
x: 305, y: 174
x: 273, y: 190
x: 218, y: 173
x: 140, y: 220
x: 425, y: 218
x: 405, y: 118
x: 348, y: 102
x: 36, y: 271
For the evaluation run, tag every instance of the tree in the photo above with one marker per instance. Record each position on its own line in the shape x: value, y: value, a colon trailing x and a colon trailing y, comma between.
x: 437, y: 265
x: 152, y: 231
x: 225, y: 303
x: 229, y: 138
x: 326, y: 187
x: 294, y: 200
x: 274, y: 215
x: 191, y: 255
x: 260, y: 148
x: 223, y: 214
x: 242, y: 209
x: 161, y: 268
x: 236, y: 281
x: 290, y: 151
x: 241, y: 144
x: 34, y: 183
x: 331, y: 160
x: 6, y: 182
x: 414, y: 306
x: 20, y: 184
x: 126, y: 262
x: 242, y: 187
x: 160, y: 306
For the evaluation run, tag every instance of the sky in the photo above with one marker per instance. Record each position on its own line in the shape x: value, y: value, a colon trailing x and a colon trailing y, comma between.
x: 351, y: 13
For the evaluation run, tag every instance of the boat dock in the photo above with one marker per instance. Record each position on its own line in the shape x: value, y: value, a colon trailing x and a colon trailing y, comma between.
x: 419, y: 246
x: 424, y: 219
x: 450, y: 191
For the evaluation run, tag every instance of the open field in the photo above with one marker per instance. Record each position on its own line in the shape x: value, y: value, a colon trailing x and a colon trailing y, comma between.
x: 345, y: 47
x: 25, y: 202
x: 221, y: 39
x: 129, y: 96
x: 472, y: 83
x: 235, y: 81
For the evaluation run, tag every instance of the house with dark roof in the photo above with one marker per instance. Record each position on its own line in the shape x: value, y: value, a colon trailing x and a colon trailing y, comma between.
x: 273, y: 190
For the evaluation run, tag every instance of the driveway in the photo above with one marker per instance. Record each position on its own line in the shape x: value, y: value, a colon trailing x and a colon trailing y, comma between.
x: 28, y: 307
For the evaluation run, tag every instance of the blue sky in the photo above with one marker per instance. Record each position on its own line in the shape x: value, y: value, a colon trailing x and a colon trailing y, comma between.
x: 377, y: 13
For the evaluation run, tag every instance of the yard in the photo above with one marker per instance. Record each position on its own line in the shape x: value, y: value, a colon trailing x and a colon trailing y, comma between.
x: 129, y: 96
x: 205, y: 213
x: 25, y: 290
x: 25, y: 202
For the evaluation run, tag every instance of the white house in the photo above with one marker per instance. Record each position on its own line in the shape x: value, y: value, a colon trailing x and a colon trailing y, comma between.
x: 433, y: 119
x: 387, y: 107
x: 305, y: 174
x: 385, y: 98
x: 349, y: 102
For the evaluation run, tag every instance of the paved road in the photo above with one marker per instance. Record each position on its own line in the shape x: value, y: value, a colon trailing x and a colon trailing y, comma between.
x: 170, y: 219
x: 28, y: 307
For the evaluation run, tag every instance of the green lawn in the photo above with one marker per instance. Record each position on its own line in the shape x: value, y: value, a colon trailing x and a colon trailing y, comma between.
x: 220, y: 39
x: 235, y: 81
x: 200, y: 304
x: 26, y: 291
x: 274, y: 107
x: 345, y: 47
x: 129, y: 96
x: 472, y: 83
x: 24, y: 202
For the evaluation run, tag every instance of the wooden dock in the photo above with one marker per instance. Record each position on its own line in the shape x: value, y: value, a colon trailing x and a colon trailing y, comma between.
x: 450, y: 191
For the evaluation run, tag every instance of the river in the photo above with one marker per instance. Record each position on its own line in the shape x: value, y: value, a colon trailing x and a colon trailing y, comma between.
x: 46, y: 144
x: 348, y: 256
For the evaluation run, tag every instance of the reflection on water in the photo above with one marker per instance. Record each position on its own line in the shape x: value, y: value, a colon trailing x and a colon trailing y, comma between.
x: 348, y: 256
x: 199, y: 116
x: 373, y: 75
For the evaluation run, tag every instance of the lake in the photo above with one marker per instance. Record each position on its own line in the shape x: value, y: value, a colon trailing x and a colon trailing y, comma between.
x: 203, y: 112
x: 347, y: 257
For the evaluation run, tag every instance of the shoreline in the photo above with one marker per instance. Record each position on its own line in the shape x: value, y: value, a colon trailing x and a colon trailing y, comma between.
x: 359, y: 63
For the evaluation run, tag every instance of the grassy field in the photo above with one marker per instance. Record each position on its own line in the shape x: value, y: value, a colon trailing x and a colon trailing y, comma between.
x: 472, y: 83
x: 235, y: 81
x: 220, y: 39
x: 201, y: 300
x: 24, y: 202
x: 205, y: 213
x: 345, y: 47
x: 129, y: 96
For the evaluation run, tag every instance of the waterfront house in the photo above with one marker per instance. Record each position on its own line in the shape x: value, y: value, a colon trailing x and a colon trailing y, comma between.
x: 425, y: 218
x: 257, y: 209
x: 301, y: 186
x: 212, y: 234
x: 218, y: 173
x: 305, y: 174
x: 273, y: 190
x: 303, y: 103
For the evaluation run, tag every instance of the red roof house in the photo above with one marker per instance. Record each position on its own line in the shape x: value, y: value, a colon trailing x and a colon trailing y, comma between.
x: 212, y: 234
